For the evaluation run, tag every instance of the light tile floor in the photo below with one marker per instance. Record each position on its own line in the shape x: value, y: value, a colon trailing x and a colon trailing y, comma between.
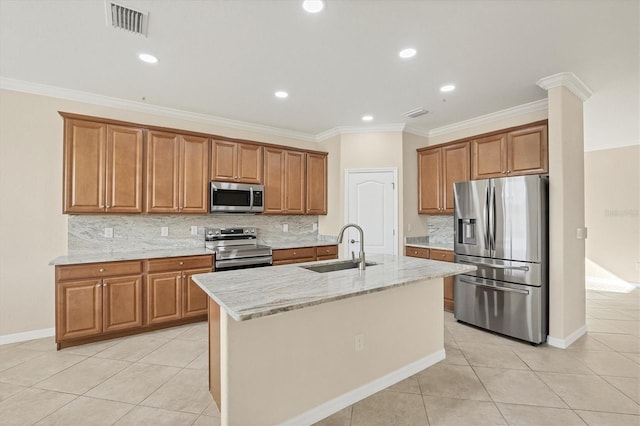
x: 160, y: 378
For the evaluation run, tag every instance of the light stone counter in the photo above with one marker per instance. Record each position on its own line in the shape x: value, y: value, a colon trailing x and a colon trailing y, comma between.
x: 276, y: 245
x: 430, y: 243
x: 75, y: 259
x: 253, y: 293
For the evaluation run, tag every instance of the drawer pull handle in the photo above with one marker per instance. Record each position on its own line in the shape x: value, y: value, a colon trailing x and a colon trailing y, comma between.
x: 182, y: 263
x: 101, y: 269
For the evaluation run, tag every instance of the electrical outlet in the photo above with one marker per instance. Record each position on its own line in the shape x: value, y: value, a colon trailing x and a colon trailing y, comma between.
x: 314, y: 226
x: 285, y: 227
x: 194, y: 230
x: 164, y: 231
x: 359, y: 342
x: 108, y: 232
x: 581, y: 233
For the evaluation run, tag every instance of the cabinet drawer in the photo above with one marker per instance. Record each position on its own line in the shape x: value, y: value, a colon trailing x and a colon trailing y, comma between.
x: 98, y: 270
x: 294, y: 254
x: 443, y: 255
x: 179, y: 263
x: 417, y: 252
x: 324, y: 251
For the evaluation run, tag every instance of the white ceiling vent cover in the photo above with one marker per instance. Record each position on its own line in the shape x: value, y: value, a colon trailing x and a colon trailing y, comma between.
x: 127, y: 19
x: 415, y: 113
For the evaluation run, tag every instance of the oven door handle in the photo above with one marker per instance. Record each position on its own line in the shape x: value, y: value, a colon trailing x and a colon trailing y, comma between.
x: 492, y: 287
x: 266, y: 260
x: 519, y: 268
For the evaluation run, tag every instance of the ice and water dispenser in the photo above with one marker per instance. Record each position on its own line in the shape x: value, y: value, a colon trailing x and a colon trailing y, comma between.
x: 466, y: 231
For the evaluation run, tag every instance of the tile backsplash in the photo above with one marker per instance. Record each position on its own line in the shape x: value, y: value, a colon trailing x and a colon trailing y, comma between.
x: 142, y: 232
x: 440, y: 229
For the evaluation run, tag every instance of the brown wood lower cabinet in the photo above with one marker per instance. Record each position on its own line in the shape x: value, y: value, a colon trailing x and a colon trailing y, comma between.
x: 442, y: 255
x: 97, y: 298
x: 99, y: 301
x: 304, y: 254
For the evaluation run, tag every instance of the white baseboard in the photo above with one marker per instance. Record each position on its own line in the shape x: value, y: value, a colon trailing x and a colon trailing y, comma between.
x: 566, y: 342
x: 27, y: 335
x: 324, y: 410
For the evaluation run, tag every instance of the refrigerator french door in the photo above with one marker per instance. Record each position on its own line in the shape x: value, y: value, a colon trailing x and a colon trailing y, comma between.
x: 501, y: 226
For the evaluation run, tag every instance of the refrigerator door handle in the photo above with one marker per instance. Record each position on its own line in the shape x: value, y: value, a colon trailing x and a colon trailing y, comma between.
x: 487, y: 240
x: 505, y: 289
x: 493, y: 218
x: 519, y: 268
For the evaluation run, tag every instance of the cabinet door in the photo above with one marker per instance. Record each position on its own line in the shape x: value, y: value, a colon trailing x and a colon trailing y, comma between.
x: 527, y: 151
x: 295, y: 179
x: 274, y: 183
x: 194, y: 174
x: 224, y: 160
x: 78, y: 309
x: 429, y: 181
x: 316, y: 184
x: 163, y: 155
x: 455, y: 168
x: 122, y: 303
x: 124, y: 170
x: 489, y: 157
x: 249, y: 169
x: 194, y: 299
x: 84, y: 166
x: 163, y: 297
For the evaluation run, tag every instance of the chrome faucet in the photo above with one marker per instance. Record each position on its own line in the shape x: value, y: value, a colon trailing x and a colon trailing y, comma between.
x: 360, y: 260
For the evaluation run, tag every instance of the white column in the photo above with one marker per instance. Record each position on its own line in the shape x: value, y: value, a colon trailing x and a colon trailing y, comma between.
x: 566, y: 94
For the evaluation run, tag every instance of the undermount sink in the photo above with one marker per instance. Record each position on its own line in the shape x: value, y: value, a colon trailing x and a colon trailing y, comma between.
x: 336, y: 266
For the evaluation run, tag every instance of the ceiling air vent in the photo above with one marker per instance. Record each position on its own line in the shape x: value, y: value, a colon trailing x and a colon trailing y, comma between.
x: 127, y: 19
x: 415, y: 113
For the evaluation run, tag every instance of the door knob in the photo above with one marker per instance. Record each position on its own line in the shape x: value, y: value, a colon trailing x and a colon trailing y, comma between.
x: 354, y: 241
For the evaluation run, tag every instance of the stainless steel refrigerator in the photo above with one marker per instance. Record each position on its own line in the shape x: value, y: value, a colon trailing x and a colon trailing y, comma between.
x: 501, y: 226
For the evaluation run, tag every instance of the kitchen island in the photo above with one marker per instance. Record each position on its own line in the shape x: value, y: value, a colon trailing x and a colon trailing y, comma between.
x: 290, y: 345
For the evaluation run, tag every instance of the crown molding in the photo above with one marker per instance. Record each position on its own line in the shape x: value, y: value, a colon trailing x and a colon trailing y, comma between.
x: 568, y: 80
x: 90, y: 98
x: 490, y: 118
x: 341, y: 130
x: 416, y: 131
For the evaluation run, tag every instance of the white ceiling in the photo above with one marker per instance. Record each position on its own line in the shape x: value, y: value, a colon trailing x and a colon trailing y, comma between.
x: 226, y: 58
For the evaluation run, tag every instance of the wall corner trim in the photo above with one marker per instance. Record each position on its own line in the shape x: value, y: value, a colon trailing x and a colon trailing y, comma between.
x: 566, y: 342
x: 27, y: 335
x: 568, y: 80
x: 330, y: 407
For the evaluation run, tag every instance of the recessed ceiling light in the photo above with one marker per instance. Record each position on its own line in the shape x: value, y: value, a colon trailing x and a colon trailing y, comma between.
x: 150, y: 59
x: 407, y: 53
x: 313, y: 6
x: 367, y: 118
x: 281, y: 94
x: 448, y: 88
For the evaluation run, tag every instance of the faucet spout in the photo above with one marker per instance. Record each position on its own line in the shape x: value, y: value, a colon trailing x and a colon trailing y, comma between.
x: 361, y: 258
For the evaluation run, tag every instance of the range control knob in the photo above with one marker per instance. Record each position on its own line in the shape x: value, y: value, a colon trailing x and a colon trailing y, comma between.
x: 217, y: 232
x: 246, y: 231
x: 253, y: 230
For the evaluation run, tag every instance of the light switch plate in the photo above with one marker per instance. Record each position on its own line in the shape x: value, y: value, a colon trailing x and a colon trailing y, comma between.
x: 285, y: 227
x: 314, y: 226
x: 581, y: 233
x: 164, y: 231
x: 194, y: 230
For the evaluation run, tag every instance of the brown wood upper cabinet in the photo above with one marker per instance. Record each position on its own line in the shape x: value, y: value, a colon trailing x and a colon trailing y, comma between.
x: 438, y: 169
x: 236, y: 162
x: 316, y: 183
x: 284, y: 181
x: 519, y: 152
x: 177, y: 173
x: 102, y: 167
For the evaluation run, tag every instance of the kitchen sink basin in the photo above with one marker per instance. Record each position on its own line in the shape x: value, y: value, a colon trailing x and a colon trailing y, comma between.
x: 336, y: 266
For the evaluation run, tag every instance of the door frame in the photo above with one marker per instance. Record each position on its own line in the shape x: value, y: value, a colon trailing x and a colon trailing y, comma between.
x: 394, y: 170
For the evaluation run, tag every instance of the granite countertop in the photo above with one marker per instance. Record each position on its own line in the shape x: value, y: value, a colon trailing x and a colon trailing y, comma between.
x: 74, y: 259
x: 80, y: 258
x: 426, y: 242
x: 246, y: 294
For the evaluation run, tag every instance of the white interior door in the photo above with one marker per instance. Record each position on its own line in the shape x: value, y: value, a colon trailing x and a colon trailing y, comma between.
x: 372, y: 204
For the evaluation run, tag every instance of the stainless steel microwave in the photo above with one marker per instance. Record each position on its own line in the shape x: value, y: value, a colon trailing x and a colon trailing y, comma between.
x: 236, y: 197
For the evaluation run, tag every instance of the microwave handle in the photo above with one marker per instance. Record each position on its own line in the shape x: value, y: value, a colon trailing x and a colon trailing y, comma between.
x: 251, y: 198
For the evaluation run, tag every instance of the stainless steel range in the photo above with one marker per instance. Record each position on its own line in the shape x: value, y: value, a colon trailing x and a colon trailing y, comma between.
x: 237, y: 248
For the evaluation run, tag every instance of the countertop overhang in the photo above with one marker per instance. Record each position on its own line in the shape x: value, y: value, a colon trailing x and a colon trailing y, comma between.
x: 253, y: 293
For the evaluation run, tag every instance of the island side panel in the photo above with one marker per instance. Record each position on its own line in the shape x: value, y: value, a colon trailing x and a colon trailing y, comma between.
x: 214, y: 351
x: 283, y: 367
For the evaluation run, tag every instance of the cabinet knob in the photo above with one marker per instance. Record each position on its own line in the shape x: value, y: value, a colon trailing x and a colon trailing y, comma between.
x: 98, y: 285
x: 108, y: 206
x: 179, y: 276
x: 105, y: 284
x: 294, y: 253
x: 504, y: 172
x: 101, y: 206
x: 182, y: 263
x: 101, y: 269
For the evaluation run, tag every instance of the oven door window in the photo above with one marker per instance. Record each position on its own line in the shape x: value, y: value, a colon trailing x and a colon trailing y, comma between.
x: 227, y: 197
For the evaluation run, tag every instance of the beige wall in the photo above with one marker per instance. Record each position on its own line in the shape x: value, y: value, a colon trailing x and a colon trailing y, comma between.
x: 415, y: 225
x: 32, y: 228
x: 612, y: 206
x: 331, y: 223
